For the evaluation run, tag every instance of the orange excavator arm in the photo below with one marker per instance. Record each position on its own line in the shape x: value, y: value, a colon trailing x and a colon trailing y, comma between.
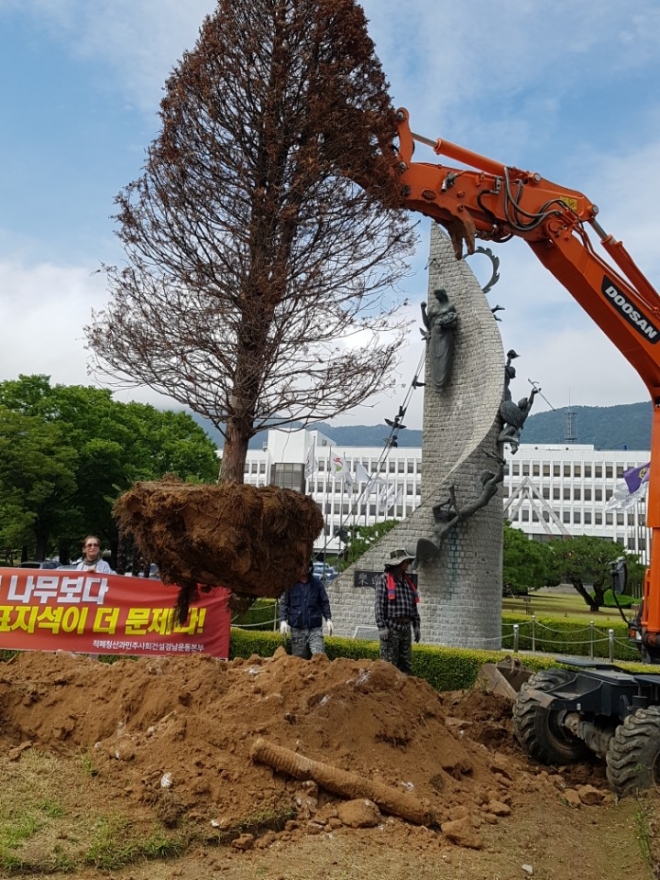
x: 492, y: 201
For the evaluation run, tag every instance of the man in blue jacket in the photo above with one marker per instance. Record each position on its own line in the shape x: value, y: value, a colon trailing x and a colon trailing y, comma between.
x: 302, y: 610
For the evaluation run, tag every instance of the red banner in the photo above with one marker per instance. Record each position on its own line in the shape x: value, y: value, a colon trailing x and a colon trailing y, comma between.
x: 89, y: 613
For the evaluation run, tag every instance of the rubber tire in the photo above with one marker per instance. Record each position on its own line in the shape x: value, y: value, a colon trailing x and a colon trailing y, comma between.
x: 537, y: 728
x: 633, y: 755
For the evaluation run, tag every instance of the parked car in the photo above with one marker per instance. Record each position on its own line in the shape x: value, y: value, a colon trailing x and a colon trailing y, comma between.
x: 325, y: 572
x: 44, y: 563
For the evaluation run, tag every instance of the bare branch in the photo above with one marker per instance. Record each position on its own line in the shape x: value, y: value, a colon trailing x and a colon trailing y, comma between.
x: 267, y: 227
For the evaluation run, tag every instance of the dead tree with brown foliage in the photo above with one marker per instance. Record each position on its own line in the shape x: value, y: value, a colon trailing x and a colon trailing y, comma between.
x: 266, y: 234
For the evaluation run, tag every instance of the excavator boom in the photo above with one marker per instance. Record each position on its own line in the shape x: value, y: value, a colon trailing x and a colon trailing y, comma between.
x: 496, y: 202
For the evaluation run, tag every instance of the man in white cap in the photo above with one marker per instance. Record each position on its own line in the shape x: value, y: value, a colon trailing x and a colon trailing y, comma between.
x: 397, y: 617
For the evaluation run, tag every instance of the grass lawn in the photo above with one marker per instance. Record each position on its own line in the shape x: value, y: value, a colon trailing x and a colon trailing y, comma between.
x: 560, y: 604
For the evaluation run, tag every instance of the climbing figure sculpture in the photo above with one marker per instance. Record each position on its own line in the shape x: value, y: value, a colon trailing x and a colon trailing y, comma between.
x: 448, y: 514
x: 513, y: 415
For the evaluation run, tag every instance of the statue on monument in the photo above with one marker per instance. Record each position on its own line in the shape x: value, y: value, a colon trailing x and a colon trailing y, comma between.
x: 513, y: 415
x: 448, y: 514
x: 440, y: 320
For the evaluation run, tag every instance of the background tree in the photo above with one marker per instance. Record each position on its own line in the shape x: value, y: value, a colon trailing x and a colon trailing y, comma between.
x: 586, y: 560
x: 361, y: 538
x: 527, y: 564
x: 265, y: 235
x: 67, y: 452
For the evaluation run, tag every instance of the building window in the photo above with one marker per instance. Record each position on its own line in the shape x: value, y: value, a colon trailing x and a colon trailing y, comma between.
x: 515, y: 469
x: 401, y: 465
x: 411, y: 467
x: 525, y: 470
x: 525, y: 516
x: 567, y: 470
x: 599, y: 471
x: 321, y: 464
x: 556, y: 470
x: 555, y: 493
x: 598, y: 494
x: 535, y: 516
x: 599, y: 518
x: 546, y: 492
x: 567, y: 494
x: 587, y: 471
x: 608, y: 494
x: 619, y: 519
x: 262, y: 467
x: 546, y: 470
x: 577, y: 494
x: 631, y: 519
x: 609, y: 519
x: 577, y: 470
x: 392, y: 467
x: 505, y: 492
x: 536, y: 470
x: 587, y: 517
x: 619, y: 472
x: 609, y: 471
x: 566, y: 516
x: 576, y: 516
x: 587, y: 494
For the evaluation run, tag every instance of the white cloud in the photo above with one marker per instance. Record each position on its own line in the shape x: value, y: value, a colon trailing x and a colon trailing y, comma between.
x: 43, y: 310
x: 140, y: 40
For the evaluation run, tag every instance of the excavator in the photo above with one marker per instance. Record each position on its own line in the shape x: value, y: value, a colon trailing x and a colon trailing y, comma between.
x: 562, y: 714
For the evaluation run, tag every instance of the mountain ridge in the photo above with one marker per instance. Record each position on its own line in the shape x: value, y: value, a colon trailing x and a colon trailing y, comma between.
x: 622, y: 426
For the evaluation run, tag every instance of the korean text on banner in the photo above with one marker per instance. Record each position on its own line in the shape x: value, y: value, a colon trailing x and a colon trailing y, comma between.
x: 87, y: 613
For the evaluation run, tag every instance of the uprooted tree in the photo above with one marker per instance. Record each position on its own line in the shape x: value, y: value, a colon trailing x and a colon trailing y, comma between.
x: 266, y: 234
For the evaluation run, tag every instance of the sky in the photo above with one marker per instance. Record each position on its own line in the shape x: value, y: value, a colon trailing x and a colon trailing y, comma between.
x: 569, y: 90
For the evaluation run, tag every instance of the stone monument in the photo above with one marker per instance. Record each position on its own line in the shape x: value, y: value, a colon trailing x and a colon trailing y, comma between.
x: 459, y: 520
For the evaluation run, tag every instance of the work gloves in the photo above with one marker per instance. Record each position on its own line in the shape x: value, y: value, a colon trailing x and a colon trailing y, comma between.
x: 417, y: 632
x: 384, y: 633
x: 330, y: 627
x: 284, y: 628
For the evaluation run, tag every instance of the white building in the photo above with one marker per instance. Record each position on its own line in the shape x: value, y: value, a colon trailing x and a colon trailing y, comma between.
x: 548, y: 490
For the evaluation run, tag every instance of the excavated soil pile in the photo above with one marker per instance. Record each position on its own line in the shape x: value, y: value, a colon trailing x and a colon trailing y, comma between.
x: 173, y: 737
x: 252, y: 540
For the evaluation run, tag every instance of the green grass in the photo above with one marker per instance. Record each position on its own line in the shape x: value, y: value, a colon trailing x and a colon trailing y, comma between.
x: 117, y: 843
x: 560, y: 605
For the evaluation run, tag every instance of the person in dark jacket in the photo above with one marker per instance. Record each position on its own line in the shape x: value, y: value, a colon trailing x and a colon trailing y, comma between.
x: 302, y: 610
x: 396, y: 611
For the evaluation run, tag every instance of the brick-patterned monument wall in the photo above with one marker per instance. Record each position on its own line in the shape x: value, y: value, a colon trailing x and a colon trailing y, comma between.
x: 461, y: 591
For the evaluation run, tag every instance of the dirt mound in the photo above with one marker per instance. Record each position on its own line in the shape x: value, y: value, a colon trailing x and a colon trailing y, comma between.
x: 254, y: 540
x: 173, y: 735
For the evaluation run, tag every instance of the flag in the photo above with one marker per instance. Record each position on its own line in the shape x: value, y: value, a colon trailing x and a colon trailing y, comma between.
x: 361, y: 474
x: 387, y: 497
x: 635, y: 477
x: 628, y: 491
x: 340, y: 471
x: 311, y: 465
x: 397, y: 500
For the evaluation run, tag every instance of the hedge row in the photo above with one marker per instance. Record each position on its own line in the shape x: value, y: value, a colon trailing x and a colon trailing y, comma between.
x: 556, y: 635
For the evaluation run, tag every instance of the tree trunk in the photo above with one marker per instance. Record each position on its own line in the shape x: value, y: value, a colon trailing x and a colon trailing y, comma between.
x: 42, y: 546
x: 579, y: 586
x: 123, y: 554
x: 599, y: 593
x: 234, y: 454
